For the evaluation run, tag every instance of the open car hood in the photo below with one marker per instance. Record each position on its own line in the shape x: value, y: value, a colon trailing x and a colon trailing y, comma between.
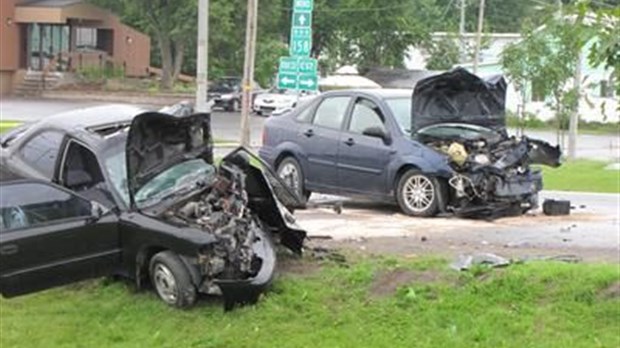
x: 158, y: 141
x: 459, y: 96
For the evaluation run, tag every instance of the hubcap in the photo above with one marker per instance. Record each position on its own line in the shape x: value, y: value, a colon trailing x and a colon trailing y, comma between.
x: 418, y: 193
x: 290, y: 175
x: 165, y: 284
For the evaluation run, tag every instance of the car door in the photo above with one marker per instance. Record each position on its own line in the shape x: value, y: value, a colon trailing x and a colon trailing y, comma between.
x: 49, y: 236
x: 363, y: 159
x: 319, y: 140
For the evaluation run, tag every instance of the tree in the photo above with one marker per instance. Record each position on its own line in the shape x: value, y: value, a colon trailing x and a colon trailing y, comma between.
x: 545, y: 60
x: 444, y: 54
x: 170, y: 22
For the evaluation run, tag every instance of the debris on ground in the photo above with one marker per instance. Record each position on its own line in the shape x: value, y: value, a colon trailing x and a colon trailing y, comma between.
x: 554, y: 207
x: 466, y: 262
x: 325, y: 254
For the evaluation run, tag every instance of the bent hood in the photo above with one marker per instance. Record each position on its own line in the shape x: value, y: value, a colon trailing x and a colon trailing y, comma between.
x: 459, y: 96
x: 158, y: 141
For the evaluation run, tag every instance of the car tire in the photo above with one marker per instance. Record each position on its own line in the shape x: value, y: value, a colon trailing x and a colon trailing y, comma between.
x: 171, y: 280
x: 234, y: 105
x: 417, y: 194
x: 290, y: 172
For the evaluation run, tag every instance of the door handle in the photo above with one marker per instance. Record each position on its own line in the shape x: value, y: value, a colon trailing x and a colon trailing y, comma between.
x: 309, y: 133
x: 350, y: 142
x: 9, y: 249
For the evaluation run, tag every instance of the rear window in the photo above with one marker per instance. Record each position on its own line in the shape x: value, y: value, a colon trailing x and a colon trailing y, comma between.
x: 41, y: 152
x: 331, y: 112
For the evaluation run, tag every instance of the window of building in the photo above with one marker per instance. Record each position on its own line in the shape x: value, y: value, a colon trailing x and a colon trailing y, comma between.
x: 331, y: 112
x: 86, y: 38
x: 41, y: 152
x: 24, y: 205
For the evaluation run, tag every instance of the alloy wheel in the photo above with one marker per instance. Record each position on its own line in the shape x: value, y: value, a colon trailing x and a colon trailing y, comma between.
x: 418, y: 193
x: 165, y: 283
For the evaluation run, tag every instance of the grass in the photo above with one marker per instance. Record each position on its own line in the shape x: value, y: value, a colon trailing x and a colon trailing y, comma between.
x: 6, y: 125
x: 543, y: 304
x: 582, y: 175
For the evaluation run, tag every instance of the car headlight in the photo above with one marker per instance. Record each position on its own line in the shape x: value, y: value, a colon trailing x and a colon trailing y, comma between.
x: 227, y: 96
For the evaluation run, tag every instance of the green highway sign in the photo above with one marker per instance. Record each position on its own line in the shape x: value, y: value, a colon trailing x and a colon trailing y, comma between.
x: 301, y: 33
x: 294, y: 65
x: 307, y: 65
x: 302, y: 19
x: 300, y: 46
x: 308, y: 82
x: 288, y: 65
x: 287, y: 81
x: 303, y: 5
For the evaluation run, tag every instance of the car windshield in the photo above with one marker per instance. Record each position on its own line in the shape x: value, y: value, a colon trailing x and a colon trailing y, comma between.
x: 171, y: 182
x: 174, y: 181
x: 401, y: 109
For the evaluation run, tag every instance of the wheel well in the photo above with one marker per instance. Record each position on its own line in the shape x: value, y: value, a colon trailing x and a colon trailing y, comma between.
x: 281, y: 157
x: 401, y: 171
x: 142, y: 263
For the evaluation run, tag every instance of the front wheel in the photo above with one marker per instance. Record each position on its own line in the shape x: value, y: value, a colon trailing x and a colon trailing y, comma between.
x: 417, y: 194
x: 171, y: 280
x: 290, y: 172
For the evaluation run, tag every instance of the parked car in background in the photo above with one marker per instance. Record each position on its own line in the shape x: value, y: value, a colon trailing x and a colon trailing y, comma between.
x: 277, y: 101
x: 115, y: 190
x: 442, y: 147
x: 226, y: 93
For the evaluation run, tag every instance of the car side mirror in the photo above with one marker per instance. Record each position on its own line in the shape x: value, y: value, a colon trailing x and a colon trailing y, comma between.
x: 378, y: 132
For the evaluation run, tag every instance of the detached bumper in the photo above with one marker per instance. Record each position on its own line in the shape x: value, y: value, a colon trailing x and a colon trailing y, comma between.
x: 247, y: 291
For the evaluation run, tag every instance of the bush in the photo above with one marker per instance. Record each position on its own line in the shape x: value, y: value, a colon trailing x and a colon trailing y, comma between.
x: 98, y: 74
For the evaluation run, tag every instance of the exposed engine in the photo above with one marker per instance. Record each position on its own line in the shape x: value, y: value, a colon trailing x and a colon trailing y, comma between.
x: 222, y: 210
x: 495, y: 177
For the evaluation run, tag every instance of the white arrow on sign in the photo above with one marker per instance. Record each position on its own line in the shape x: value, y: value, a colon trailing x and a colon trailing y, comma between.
x: 287, y: 80
x: 307, y: 83
x: 302, y: 19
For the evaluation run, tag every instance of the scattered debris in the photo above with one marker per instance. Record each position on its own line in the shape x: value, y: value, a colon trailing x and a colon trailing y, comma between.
x: 423, y: 239
x: 465, y: 262
x: 556, y: 207
x: 338, y: 207
x: 325, y: 254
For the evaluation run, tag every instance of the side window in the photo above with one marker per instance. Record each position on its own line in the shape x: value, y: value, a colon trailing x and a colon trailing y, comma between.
x: 41, y: 151
x: 365, y: 114
x: 331, y: 112
x: 80, y: 170
x: 26, y: 205
x: 305, y: 116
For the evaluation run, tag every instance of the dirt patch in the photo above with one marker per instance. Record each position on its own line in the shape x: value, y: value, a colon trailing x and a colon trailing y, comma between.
x: 298, y: 266
x: 387, y: 282
x: 611, y: 292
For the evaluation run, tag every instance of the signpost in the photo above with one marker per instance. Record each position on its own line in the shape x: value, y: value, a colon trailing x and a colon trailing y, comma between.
x: 299, y: 71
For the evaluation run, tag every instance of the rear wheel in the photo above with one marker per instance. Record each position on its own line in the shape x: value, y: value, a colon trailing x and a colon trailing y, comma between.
x: 290, y: 172
x: 171, y: 280
x: 417, y: 194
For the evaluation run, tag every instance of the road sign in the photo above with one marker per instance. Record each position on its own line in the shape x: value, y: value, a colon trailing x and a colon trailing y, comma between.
x: 301, y: 33
x: 303, y: 5
x: 288, y: 65
x: 302, y: 19
x: 300, y: 46
x: 287, y: 81
x: 308, y: 82
x: 294, y: 65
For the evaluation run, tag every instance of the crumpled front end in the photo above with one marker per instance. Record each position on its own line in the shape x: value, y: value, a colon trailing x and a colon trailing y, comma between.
x: 492, y: 180
x: 246, y: 219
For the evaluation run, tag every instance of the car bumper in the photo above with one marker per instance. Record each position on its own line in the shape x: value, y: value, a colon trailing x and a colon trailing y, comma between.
x: 247, y: 291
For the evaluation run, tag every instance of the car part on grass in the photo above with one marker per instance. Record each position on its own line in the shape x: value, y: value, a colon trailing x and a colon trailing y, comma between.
x: 465, y: 262
x: 554, y: 207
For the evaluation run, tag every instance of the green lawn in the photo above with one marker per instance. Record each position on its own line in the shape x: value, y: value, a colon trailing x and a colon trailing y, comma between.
x: 543, y: 304
x: 582, y: 175
x: 6, y: 125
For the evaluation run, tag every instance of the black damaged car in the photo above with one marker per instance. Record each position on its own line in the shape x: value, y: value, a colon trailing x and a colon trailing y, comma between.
x: 101, y: 191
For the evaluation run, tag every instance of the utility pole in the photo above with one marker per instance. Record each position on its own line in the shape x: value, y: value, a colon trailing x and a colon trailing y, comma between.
x: 479, y: 36
x: 463, y: 52
x: 248, y: 71
x: 573, y: 124
x: 202, y: 58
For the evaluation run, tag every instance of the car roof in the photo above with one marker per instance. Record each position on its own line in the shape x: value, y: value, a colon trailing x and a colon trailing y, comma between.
x: 93, y: 116
x: 382, y: 93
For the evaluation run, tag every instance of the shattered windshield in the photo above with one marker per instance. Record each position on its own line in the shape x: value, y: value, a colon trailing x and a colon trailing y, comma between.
x: 401, y: 109
x: 175, y: 181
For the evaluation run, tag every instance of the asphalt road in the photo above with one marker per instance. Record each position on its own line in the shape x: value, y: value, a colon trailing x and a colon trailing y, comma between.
x: 226, y: 125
